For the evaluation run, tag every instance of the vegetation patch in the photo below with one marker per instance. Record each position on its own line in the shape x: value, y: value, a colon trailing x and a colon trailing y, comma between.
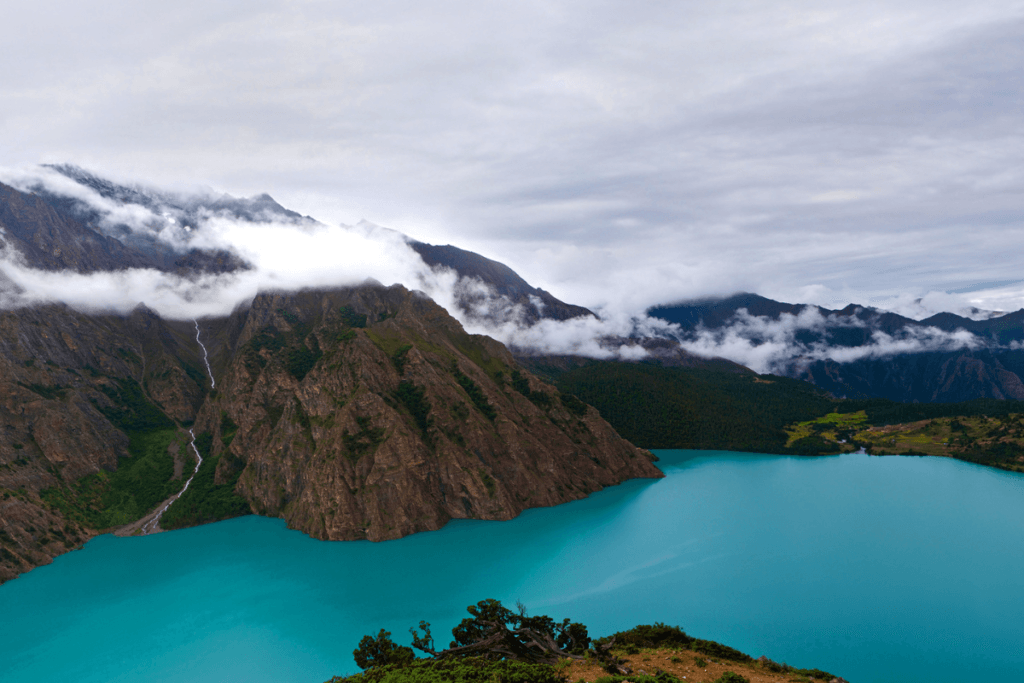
x: 488, y: 483
x: 141, y: 481
x: 106, y: 499
x: 398, y: 358
x: 573, y: 404
x: 206, y: 501
x: 131, y: 411
x: 364, y: 441
x: 539, y: 398
x: 414, y: 398
x: 476, y: 395
x: 50, y: 393
x: 301, y: 358
x: 498, y: 644
x: 228, y: 429
x: 659, y: 407
x: 473, y: 350
x: 467, y: 670
x: 350, y: 318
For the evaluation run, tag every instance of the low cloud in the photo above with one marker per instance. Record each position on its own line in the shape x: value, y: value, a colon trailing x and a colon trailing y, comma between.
x: 289, y: 254
x: 284, y: 255
x: 778, y: 346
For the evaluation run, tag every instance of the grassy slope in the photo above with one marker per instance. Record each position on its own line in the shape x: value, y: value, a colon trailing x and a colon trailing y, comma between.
x: 997, y: 441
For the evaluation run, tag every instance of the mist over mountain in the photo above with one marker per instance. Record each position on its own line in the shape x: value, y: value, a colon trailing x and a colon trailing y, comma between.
x: 75, y: 237
x: 860, y: 352
x: 216, y: 251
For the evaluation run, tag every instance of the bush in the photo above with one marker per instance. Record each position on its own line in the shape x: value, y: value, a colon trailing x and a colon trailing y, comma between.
x: 465, y: 670
x: 719, y: 651
x: 654, y: 636
x: 381, y: 651
x: 730, y: 677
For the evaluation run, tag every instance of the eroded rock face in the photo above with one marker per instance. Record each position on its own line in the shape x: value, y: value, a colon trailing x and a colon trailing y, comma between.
x: 363, y: 413
x: 401, y: 425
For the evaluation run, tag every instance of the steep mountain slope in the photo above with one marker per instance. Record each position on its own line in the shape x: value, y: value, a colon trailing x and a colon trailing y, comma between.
x: 52, y: 233
x: 359, y: 413
x: 73, y: 410
x: 58, y: 230
x: 535, y: 303
x: 399, y: 419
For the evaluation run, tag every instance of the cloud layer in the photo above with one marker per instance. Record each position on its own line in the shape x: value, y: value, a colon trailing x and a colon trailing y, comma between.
x: 780, y: 346
x: 615, y: 155
x: 287, y: 253
x: 282, y: 254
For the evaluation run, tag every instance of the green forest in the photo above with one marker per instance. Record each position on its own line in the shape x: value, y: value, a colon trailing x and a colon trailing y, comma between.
x: 723, y: 409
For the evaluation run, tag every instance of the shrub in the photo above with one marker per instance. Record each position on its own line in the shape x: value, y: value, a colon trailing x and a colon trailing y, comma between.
x: 713, y: 649
x: 730, y: 677
x: 655, y: 635
x: 464, y: 670
x: 381, y: 651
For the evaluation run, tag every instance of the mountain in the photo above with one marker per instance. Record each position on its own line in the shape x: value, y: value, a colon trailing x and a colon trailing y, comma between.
x: 535, y: 303
x: 54, y: 233
x: 363, y: 412
x: 60, y: 230
x: 862, y: 352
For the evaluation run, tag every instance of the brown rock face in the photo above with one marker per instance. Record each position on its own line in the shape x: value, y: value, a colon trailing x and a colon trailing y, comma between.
x: 400, y: 425
x: 363, y: 413
x: 54, y: 366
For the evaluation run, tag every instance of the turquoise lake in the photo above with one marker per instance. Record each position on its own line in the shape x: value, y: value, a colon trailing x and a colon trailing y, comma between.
x: 876, y: 569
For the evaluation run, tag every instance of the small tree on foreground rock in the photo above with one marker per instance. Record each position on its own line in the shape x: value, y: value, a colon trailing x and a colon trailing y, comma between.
x: 380, y: 651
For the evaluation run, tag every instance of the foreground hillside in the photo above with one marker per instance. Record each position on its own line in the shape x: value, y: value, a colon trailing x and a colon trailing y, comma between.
x: 495, y: 643
x: 357, y: 413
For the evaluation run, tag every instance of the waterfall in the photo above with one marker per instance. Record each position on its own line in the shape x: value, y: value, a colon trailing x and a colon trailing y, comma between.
x: 151, y: 524
x: 206, y: 358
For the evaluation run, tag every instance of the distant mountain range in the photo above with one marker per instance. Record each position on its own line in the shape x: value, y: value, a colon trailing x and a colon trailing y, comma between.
x: 857, y: 352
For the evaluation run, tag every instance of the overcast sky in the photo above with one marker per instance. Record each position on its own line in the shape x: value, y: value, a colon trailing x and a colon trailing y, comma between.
x: 619, y: 154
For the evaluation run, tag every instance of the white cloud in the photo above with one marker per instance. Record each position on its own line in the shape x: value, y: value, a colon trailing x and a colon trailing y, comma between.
x: 774, y: 346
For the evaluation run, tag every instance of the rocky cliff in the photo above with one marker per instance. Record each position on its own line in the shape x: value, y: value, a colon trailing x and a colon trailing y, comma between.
x: 370, y: 413
x: 361, y: 413
x: 71, y: 387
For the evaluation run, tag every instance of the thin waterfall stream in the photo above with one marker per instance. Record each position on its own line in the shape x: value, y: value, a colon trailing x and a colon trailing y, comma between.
x: 206, y: 358
x: 149, y: 526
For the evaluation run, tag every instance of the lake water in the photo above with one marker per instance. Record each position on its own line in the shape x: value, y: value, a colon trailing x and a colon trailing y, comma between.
x: 877, y: 569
